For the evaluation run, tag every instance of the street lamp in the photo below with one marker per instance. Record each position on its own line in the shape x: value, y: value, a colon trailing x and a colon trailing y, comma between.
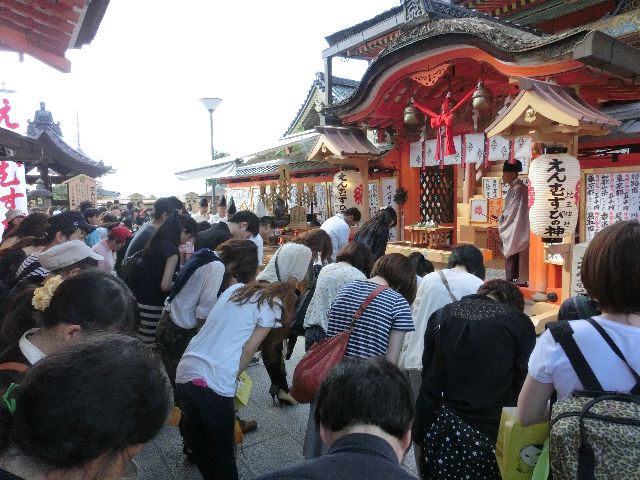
x: 211, y: 104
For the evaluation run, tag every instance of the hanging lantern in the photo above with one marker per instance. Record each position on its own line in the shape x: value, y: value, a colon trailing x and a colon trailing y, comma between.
x: 553, y: 195
x: 347, y: 191
x: 412, y: 116
x: 481, y: 98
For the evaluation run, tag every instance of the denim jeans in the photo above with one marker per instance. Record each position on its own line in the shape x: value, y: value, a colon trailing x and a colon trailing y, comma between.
x: 210, y: 419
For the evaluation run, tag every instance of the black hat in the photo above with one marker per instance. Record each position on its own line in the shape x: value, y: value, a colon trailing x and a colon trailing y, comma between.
x: 222, y: 202
x: 515, y: 167
x: 232, y: 207
x: 66, y: 221
x: 204, y: 202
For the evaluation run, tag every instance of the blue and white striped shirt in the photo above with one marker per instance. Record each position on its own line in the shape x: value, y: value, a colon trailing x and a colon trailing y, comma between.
x: 370, y: 336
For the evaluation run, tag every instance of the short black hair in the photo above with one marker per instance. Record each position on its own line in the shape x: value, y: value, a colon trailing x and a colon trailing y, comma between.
x: 89, y: 213
x: 86, y: 401
x: 421, y: 264
x: 203, y: 202
x: 469, y: 257
x: 166, y: 205
x: 204, y: 225
x: 96, y: 301
x: 253, y: 222
x: 84, y: 205
x: 503, y: 292
x: 354, y: 213
x: 369, y: 391
x: 267, y: 221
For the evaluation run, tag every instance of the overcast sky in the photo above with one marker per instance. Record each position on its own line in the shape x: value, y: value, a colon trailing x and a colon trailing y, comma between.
x: 137, y: 86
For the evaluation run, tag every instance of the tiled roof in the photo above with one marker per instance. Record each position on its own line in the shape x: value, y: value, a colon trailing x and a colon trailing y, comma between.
x: 271, y: 168
x: 342, y: 89
x: 350, y: 31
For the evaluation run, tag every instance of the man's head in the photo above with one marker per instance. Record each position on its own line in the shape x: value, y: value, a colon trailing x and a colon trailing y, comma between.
x: 366, y: 396
x: 163, y: 207
x: 243, y: 225
x: 267, y: 226
x: 66, y: 226
x: 469, y: 257
x: 115, y: 211
x: 84, y: 205
x: 222, y: 207
x: 352, y: 216
x: 510, y: 171
x: 204, y: 206
x: 92, y: 216
x: 69, y: 258
x: 117, y: 237
x: 140, y: 204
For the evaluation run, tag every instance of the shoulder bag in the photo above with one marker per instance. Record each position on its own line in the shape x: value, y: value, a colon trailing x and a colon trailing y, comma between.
x: 318, y: 362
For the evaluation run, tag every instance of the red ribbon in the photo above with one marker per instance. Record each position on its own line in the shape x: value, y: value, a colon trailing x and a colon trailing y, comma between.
x: 444, y: 119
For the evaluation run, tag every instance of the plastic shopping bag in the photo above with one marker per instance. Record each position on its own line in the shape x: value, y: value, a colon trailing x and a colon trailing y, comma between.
x: 518, y: 448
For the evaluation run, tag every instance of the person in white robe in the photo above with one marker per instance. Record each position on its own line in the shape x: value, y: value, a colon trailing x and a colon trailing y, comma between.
x: 513, y: 225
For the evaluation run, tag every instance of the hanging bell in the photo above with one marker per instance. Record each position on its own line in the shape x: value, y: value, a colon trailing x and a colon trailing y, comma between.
x: 412, y: 116
x: 481, y: 98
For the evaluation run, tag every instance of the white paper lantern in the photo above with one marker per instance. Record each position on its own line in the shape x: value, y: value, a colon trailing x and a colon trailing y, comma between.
x: 553, y: 195
x: 347, y: 191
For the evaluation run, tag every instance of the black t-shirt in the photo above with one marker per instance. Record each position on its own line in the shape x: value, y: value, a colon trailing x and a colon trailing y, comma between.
x: 4, y: 475
x: 485, y: 347
x: 212, y: 237
x: 140, y: 239
x: 147, y: 277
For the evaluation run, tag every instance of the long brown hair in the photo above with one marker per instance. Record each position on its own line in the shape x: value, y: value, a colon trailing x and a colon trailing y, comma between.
x: 274, y: 294
x: 318, y: 241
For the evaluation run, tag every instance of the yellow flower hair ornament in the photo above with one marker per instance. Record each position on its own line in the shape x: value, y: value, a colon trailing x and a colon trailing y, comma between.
x: 42, y: 295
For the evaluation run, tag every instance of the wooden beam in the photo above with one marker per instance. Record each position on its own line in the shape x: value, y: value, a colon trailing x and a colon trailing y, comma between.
x: 18, y: 42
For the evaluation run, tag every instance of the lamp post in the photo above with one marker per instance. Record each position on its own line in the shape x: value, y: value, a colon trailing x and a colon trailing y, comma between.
x: 211, y: 104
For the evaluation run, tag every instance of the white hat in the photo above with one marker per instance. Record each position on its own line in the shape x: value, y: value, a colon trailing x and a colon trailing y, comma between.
x: 65, y: 254
x: 292, y: 260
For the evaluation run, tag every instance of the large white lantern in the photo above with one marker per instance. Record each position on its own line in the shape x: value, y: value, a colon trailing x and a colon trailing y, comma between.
x: 553, y: 195
x: 347, y: 191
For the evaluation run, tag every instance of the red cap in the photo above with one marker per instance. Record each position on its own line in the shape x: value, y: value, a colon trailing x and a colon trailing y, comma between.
x: 120, y: 233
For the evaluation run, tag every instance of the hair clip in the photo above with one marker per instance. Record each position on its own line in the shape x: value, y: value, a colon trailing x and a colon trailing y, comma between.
x: 42, y: 295
x: 10, y: 402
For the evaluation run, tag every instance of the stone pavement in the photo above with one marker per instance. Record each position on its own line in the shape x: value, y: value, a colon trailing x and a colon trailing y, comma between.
x: 277, y: 442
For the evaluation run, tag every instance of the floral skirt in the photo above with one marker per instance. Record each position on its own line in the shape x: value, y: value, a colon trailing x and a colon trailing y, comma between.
x: 452, y: 449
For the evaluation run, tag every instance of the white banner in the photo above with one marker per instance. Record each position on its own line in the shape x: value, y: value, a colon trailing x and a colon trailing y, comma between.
x: 13, y: 189
x: 389, y: 187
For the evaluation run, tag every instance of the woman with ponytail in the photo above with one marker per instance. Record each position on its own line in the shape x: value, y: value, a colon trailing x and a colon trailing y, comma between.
x: 207, y: 374
x: 151, y: 276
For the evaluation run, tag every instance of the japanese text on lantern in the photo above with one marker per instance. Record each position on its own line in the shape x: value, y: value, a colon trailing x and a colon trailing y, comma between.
x: 341, y: 187
x: 557, y: 198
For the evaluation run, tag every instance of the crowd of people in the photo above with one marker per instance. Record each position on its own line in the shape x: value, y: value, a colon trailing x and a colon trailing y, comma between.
x: 112, y: 317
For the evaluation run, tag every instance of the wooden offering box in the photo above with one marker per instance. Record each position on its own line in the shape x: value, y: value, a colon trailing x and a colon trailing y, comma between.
x: 431, y: 237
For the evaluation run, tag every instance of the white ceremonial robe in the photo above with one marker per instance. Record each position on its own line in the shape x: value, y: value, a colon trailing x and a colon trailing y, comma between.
x: 513, y: 224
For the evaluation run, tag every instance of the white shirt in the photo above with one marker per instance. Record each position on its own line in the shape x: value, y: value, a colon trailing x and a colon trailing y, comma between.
x: 32, y: 353
x: 198, y: 296
x: 549, y: 364
x: 214, y: 353
x: 108, y: 262
x: 331, y: 279
x: 257, y: 239
x: 433, y: 295
x: 338, y: 230
x: 198, y: 217
x: 215, y: 218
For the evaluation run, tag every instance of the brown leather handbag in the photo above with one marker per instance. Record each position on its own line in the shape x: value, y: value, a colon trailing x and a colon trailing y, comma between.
x: 318, y: 362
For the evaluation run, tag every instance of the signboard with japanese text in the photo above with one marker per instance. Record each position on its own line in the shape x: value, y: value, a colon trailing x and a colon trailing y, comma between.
x: 321, y: 207
x: 374, y: 198
x: 610, y: 195
x: 241, y: 197
x: 479, y: 210
x: 388, y: 187
x: 13, y: 189
x: 496, y: 206
x: 492, y: 187
x: 576, y: 269
x: 81, y: 188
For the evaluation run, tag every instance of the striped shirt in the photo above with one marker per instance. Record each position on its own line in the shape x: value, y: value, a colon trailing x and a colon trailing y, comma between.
x: 370, y: 336
x: 40, y: 271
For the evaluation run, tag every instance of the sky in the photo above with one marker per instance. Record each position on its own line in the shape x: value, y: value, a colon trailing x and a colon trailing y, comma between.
x: 136, y: 88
